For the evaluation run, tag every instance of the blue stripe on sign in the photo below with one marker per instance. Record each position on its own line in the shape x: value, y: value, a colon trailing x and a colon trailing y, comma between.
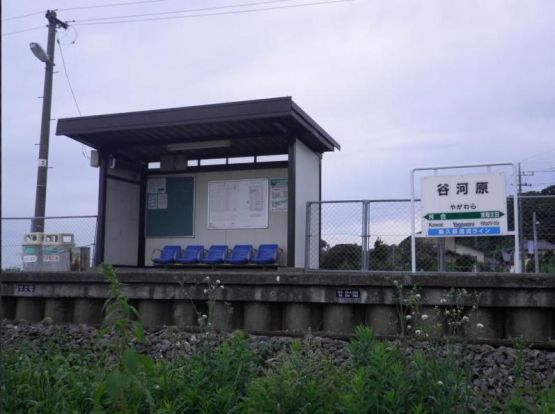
x: 472, y: 231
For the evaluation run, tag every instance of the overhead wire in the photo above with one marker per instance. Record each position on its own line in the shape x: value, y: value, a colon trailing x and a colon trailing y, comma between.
x: 71, y: 89
x: 127, y: 3
x: 96, y: 21
x: 98, y: 6
x: 23, y: 15
x: 67, y: 77
x: 539, y: 154
x: 229, y: 6
x: 23, y: 30
x: 189, y: 16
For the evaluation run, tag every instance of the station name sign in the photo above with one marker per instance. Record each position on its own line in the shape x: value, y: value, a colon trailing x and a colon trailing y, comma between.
x: 464, y: 205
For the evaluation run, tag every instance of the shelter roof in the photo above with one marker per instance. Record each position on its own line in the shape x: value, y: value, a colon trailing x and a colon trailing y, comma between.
x: 233, y: 129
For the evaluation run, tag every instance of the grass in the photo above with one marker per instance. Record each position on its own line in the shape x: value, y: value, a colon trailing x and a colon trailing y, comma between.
x: 45, y: 377
x: 377, y: 378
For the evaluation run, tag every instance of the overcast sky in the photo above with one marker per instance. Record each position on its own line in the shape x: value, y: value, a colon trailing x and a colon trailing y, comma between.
x: 399, y: 84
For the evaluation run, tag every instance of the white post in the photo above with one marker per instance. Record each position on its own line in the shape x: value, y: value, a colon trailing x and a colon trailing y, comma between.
x: 518, y: 264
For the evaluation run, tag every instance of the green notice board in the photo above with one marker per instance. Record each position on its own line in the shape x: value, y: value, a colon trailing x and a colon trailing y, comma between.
x: 170, y: 206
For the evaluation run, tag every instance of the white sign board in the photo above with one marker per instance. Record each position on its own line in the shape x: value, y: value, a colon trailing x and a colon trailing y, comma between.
x: 238, y: 204
x: 464, y: 205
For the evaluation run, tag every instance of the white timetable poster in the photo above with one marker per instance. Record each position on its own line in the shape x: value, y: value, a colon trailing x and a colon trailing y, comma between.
x: 238, y: 204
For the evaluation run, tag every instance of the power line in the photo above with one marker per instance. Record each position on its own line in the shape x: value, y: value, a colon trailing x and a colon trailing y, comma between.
x: 67, y: 77
x: 23, y: 15
x: 128, y: 3
x: 539, y: 154
x: 320, y: 3
x: 185, y: 10
x: 71, y: 90
x: 23, y: 30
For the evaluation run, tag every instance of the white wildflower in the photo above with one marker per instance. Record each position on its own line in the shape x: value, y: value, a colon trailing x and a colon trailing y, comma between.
x: 221, y: 286
x: 277, y: 278
x: 424, y: 317
x: 408, y: 317
x: 156, y: 387
x: 409, y: 327
x: 417, y: 296
x: 479, y: 326
x: 204, y: 316
x: 207, y: 278
x: 443, y: 300
x: 205, y: 290
x: 465, y: 318
x: 418, y: 332
x: 217, y: 281
x: 447, y: 312
x: 440, y: 383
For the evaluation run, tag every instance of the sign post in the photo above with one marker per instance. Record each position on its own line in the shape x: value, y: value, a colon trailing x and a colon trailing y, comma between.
x: 464, y: 206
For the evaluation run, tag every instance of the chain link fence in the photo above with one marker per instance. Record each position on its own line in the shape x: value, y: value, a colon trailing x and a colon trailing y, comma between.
x: 375, y: 235
x: 14, y: 230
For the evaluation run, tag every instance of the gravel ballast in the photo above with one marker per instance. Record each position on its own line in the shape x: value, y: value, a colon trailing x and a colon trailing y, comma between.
x: 494, y: 369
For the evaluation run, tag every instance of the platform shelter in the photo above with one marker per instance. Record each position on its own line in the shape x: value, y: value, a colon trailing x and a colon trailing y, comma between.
x: 228, y: 173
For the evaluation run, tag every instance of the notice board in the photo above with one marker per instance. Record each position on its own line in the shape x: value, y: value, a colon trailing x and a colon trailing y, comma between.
x: 170, y: 206
x: 238, y: 204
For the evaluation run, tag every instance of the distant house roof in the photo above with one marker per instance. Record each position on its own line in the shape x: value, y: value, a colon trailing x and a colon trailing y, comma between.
x: 542, y: 245
x: 257, y: 127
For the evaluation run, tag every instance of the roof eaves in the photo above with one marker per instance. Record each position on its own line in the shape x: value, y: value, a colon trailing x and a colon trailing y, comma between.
x: 222, y: 112
x: 303, y: 118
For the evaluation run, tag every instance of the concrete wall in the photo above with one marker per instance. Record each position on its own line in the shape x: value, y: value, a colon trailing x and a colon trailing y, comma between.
x: 122, y: 222
x: 307, y: 188
x: 509, y: 307
x: 277, y: 221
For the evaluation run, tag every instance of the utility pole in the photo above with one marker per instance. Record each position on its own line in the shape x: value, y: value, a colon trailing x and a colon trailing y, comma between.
x: 520, y: 212
x: 42, y: 172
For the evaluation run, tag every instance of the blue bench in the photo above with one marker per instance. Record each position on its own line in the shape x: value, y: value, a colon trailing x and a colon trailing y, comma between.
x: 191, y: 255
x: 168, y: 255
x: 267, y: 254
x: 241, y: 254
x: 216, y: 254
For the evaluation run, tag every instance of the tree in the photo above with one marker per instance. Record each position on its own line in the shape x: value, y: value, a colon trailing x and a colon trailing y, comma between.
x: 426, y: 255
x: 379, y: 258
x: 342, y: 257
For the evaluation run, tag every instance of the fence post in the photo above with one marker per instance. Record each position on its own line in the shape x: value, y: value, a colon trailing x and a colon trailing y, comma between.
x: 365, y: 217
x: 536, y: 251
x: 412, y: 225
x: 307, y: 237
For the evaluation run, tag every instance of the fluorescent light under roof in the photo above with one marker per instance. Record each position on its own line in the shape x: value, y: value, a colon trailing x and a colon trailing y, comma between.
x: 225, y: 143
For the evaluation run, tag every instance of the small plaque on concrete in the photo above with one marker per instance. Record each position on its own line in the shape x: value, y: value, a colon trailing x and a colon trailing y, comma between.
x: 25, y: 290
x: 347, y: 295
